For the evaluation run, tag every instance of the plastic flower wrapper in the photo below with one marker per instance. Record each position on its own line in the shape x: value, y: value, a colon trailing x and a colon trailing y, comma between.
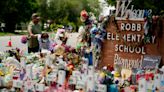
x: 2, y: 56
x: 101, y: 77
x: 7, y: 79
x: 117, y: 78
x: 37, y: 71
x: 126, y: 73
x: 81, y: 32
x: 13, y: 61
x: 2, y: 69
x: 84, y: 65
x: 32, y: 57
x: 75, y: 59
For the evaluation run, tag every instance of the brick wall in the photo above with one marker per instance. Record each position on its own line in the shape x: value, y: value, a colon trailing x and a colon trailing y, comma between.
x: 108, y: 50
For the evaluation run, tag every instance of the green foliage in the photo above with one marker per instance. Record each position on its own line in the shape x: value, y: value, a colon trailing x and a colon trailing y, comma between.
x: 155, y: 5
x: 111, y: 2
x: 16, y: 11
x: 66, y: 11
x: 13, y: 12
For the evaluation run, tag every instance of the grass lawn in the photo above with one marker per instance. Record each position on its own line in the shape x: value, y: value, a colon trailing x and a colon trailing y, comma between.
x: 5, y: 34
x: 11, y: 34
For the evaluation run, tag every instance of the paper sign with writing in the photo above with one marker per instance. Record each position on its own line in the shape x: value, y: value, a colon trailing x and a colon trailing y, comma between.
x: 90, y: 70
x: 125, y: 11
x: 142, y: 87
x: 162, y: 86
x: 51, y: 77
x: 150, y: 61
x: 17, y: 83
x: 101, y: 88
x: 55, y: 71
x: 77, y: 74
x: 39, y: 87
x: 1, y: 81
x: 150, y: 85
x: 162, y: 83
x: 85, y: 68
x: 90, y: 83
x: 16, y: 74
x: 162, y: 77
x: 23, y: 62
x: 96, y: 75
x: 61, y: 77
x: 157, y: 81
x: 83, y: 77
x: 127, y: 89
x: 29, y: 85
x: 80, y: 85
x: 48, y: 61
x: 28, y: 72
x: 72, y: 80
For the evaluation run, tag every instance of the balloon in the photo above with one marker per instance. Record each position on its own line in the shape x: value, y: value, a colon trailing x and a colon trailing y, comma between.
x: 24, y: 39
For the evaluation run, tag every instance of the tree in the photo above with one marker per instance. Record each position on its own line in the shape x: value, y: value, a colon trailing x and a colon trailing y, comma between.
x: 155, y: 5
x: 65, y: 11
x: 16, y: 11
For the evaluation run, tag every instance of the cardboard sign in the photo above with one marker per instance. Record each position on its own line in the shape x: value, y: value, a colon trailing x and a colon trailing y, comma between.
x: 39, y: 87
x: 61, y: 77
x: 142, y: 87
x: 17, y: 83
x: 101, y: 88
x: 72, y: 80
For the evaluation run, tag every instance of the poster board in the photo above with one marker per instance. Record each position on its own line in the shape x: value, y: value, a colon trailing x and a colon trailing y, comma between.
x: 150, y: 61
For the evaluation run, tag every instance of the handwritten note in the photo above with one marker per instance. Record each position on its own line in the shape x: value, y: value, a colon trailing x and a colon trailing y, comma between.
x: 142, y: 85
x: 39, y: 87
x: 101, y: 88
x: 17, y: 83
x: 61, y: 77
x: 72, y: 80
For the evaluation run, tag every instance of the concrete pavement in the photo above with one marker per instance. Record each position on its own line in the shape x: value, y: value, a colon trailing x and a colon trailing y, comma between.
x: 16, y: 42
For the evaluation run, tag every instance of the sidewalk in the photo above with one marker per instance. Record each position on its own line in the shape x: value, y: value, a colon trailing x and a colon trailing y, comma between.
x: 16, y: 42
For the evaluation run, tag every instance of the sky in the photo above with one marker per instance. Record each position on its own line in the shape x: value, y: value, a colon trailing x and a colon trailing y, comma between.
x: 105, y: 7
